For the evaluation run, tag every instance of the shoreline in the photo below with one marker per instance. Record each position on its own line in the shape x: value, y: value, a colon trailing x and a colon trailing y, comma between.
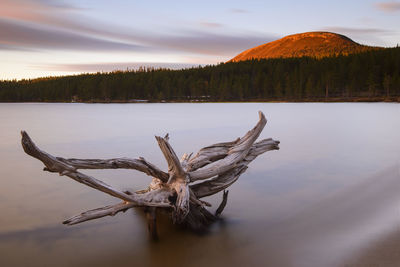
x: 316, y: 100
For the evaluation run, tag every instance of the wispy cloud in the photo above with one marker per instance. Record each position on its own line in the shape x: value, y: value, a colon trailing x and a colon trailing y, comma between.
x: 390, y: 7
x: 369, y: 36
x: 209, y: 24
x: 366, y: 20
x: 207, y: 43
x: 349, y: 30
x: 6, y: 47
x: 47, y: 12
x: 58, y: 4
x: 56, y: 15
x: 238, y: 10
x: 19, y: 35
x: 53, y: 25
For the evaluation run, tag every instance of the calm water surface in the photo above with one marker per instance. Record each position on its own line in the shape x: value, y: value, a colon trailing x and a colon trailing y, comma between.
x: 328, y: 197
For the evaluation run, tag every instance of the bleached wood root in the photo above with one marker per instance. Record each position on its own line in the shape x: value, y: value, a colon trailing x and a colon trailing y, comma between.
x: 100, y: 212
x: 179, y: 190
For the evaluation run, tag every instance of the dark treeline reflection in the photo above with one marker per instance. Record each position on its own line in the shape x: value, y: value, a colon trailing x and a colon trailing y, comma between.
x: 373, y: 75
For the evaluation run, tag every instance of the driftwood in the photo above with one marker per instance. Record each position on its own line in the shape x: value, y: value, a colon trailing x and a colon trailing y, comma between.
x: 178, y: 191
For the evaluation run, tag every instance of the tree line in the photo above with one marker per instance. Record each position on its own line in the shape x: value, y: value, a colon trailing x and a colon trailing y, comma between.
x: 367, y: 76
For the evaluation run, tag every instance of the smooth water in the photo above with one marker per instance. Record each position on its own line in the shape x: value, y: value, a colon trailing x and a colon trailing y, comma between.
x: 329, y: 197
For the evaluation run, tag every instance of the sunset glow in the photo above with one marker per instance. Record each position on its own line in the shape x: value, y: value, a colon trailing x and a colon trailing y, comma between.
x: 53, y: 37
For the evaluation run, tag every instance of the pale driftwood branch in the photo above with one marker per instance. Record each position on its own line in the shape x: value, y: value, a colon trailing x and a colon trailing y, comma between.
x: 175, y: 169
x: 209, y: 154
x: 117, y: 163
x: 235, y: 154
x: 182, y: 201
x: 100, y: 212
x: 185, y: 159
x: 54, y: 165
x: 217, y: 184
x: 179, y: 191
x: 152, y: 200
x: 261, y: 147
x: 223, y: 181
x: 218, y: 151
x: 178, y: 179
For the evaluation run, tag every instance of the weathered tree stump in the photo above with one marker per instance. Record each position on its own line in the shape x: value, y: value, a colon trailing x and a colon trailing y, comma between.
x: 178, y: 191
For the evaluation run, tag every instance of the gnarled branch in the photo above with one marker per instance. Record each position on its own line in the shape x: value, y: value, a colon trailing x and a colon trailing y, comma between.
x: 117, y: 163
x: 235, y: 154
x: 223, y: 181
x: 100, y: 212
x: 175, y: 169
x: 54, y: 165
x: 219, y: 165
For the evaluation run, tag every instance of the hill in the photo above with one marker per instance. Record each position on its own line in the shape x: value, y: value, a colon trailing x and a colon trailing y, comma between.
x: 310, y: 44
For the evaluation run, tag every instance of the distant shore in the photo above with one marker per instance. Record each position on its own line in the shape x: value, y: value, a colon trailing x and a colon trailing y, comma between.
x: 372, y: 76
x: 313, y: 100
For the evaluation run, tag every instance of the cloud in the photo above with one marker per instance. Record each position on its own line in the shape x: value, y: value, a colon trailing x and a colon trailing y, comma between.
x: 12, y: 47
x: 54, y: 25
x: 349, y: 30
x: 210, y: 24
x: 366, y: 20
x: 60, y: 17
x: 388, y: 6
x: 238, y: 10
x: 19, y: 35
x: 57, y: 4
x: 40, y: 11
x: 369, y: 36
x: 208, y: 43
x: 57, y: 15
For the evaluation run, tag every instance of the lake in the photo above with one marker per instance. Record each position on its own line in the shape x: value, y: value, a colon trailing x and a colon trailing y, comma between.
x: 328, y: 197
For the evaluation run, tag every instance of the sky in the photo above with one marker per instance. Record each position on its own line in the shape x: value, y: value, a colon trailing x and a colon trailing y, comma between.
x: 41, y: 38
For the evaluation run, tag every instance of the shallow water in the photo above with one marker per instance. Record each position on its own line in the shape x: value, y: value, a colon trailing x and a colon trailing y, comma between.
x: 328, y: 197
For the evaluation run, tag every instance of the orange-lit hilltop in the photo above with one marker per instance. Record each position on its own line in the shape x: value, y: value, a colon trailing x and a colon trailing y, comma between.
x: 311, y: 44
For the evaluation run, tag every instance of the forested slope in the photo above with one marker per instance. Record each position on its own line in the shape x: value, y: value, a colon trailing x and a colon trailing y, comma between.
x: 372, y: 75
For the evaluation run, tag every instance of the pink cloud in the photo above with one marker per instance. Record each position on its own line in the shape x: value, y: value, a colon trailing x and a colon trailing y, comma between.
x: 35, y: 11
x: 388, y: 6
x: 52, y: 25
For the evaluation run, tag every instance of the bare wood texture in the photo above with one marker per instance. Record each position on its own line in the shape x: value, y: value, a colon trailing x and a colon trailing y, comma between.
x: 217, y: 184
x: 177, y: 179
x: 223, y: 181
x: 118, y: 163
x: 100, y: 212
x: 54, y: 165
x: 179, y: 191
x: 235, y: 154
x: 175, y: 168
